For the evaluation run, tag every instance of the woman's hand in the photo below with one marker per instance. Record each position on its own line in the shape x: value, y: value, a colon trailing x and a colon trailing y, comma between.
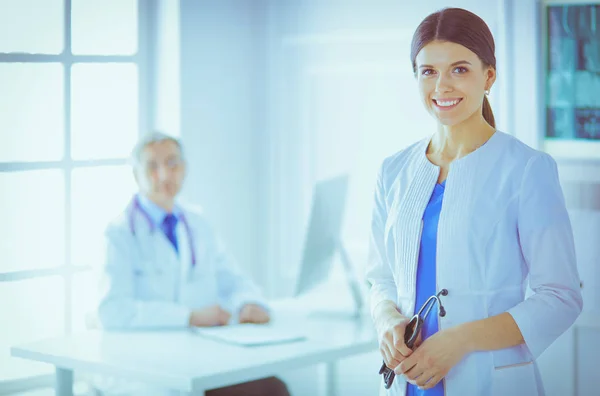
x: 432, y: 361
x: 390, y: 325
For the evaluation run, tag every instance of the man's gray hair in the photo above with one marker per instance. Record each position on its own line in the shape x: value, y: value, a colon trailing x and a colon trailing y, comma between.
x: 151, y: 138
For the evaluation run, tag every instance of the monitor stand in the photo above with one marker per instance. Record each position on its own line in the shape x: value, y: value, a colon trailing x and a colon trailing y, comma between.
x: 353, y: 280
x: 358, y: 302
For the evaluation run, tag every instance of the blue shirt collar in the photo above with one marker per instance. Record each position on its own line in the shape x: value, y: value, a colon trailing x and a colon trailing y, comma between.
x: 156, y: 213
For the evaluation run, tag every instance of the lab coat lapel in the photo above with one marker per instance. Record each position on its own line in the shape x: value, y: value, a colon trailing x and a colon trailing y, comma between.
x: 157, y: 249
x: 185, y: 253
x: 465, y: 189
x: 145, y: 234
x: 165, y: 252
x: 410, y: 202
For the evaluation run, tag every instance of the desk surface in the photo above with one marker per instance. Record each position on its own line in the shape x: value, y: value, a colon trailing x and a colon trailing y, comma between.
x: 186, y: 361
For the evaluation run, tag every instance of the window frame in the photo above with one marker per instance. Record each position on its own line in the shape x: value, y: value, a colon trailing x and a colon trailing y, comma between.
x: 143, y: 59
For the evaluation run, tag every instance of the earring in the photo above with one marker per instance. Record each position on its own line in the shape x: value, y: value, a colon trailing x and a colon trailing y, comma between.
x: 487, y: 92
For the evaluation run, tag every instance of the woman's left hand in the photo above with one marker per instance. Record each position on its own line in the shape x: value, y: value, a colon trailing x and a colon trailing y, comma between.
x: 432, y: 360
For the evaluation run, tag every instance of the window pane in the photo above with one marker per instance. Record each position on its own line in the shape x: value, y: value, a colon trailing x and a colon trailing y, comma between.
x: 104, y: 27
x: 33, y: 220
x: 36, y: 311
x: 99, y: 195
x: 31, y: 104
x: 104, y: 110
x: 32, y: 26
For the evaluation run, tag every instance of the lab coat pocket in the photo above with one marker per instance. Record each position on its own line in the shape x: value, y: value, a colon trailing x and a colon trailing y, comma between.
x: 200, y: 288
x: 151, y: 281
x: 515, y: 380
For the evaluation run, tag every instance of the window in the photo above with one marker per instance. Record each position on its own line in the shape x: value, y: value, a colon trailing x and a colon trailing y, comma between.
x: 73, y: 83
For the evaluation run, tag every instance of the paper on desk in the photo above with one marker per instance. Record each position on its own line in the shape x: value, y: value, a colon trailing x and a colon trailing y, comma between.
x: 249, y: 334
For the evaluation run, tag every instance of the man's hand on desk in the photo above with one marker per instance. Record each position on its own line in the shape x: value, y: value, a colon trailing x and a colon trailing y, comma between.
x: 210, y: 316
x: 252, y: 313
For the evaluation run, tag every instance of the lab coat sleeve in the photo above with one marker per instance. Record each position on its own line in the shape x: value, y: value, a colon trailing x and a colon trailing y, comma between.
x: 118, y: 308
x: 546, y: 239
x: 236, y: 289
x: 378, y: 271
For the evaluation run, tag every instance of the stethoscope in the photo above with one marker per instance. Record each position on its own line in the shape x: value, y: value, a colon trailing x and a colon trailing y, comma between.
x: 135, y: 206
x: 412, y: 330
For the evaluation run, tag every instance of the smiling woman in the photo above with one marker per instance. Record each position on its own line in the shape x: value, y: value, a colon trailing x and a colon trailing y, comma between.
x: 474, y: 212
x: 460, y: 55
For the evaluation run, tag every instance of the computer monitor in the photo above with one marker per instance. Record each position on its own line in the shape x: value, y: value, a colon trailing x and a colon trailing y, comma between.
x: 323, y: 239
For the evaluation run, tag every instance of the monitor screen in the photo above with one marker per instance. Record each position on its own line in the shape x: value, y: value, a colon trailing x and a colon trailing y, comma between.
x: 323, y: 232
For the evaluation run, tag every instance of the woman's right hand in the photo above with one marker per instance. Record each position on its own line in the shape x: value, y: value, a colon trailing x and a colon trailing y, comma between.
x: 390, y: 325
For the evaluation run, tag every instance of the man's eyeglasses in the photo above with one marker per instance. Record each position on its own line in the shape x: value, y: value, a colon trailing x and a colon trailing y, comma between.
x: 412, y: 330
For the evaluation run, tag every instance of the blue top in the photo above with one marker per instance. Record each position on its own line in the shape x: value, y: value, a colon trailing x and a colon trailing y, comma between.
x: 426, y: 279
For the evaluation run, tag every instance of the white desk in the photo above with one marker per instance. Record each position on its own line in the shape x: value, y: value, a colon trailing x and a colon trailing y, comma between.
x: 191, y: 364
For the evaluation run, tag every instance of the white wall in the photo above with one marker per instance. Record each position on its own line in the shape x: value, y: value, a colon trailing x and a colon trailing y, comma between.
x: 222, y: 118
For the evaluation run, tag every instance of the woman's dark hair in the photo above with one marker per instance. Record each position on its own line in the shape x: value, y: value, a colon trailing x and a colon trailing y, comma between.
x: 460, y: 27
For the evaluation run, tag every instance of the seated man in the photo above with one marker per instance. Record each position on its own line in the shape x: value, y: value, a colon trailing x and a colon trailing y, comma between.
x: 165, y: 268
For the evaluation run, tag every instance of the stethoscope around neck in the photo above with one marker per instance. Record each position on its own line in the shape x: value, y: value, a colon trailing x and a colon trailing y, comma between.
x: 412, y: 330
x: 135, y: 206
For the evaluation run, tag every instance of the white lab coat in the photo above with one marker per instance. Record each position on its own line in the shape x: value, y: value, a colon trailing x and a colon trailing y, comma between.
x: 503, y: 223
x: 146, y: 285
